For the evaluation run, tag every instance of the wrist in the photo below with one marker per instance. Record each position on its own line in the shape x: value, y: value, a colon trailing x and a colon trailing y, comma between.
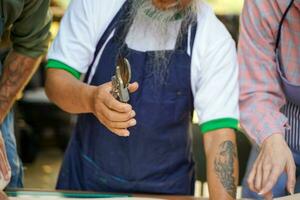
x: 90, y: 94
x: 273, y: 137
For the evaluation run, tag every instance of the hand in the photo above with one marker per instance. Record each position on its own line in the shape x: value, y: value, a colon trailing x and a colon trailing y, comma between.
x: 4, y: 165
x: 274, y: 158
x: 114, y: 115
x: 3, y: 196
x: 169, y: 4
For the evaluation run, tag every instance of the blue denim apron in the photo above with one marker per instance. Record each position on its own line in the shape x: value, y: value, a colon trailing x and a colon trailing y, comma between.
x: 156, y: 158
x: 7, y: 129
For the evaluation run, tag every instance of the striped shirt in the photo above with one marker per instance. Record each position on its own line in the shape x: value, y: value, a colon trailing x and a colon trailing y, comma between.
x: 261, y: 96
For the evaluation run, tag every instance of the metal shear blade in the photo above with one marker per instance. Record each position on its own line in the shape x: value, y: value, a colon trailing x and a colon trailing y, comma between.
x: 121, y: 80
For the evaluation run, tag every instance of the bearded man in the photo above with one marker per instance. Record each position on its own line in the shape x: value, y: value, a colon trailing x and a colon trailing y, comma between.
x: 181, y: 58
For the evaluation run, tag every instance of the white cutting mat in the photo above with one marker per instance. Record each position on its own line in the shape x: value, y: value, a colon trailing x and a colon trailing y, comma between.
x: 291, y: 197
x: 61, y: 198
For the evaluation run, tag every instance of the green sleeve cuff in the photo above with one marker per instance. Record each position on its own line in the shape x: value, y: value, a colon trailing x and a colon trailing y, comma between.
x: 219, y: 124
x: 55, y: 64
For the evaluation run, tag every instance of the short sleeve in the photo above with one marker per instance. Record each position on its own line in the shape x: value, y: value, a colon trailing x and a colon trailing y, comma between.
x: 81, y: 28
x: 30, y: 32
x: 74, y: 44
x: 215, y: 77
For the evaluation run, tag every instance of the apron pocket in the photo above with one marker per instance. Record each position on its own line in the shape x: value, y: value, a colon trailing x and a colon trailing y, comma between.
x: 96, y: 179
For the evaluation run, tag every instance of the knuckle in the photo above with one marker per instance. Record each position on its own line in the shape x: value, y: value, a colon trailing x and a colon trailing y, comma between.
x: 267, y: 166
x: 272, y: 180
x: 118, y: 133
x: 114, y: 131
x: 105, y: 122
x: 275, y: 164
x: 110, y: 123
x: 293, y: 165
x: 252, y: 188
x: 249, y: 182
x: 292, y: 180
x: 293, y: 168
x: 97, y: 112
x: 276, y: 168
x: 266, y: 170
x: 110, y: 116
x: 100, y: 95
x: 128, y: 124
x: 118, y: 125
x: 110, y: 104
x: 122, y: 108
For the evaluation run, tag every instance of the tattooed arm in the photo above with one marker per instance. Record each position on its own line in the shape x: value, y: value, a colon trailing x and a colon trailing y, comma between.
x: 222, y: 163
x: 17, y: 71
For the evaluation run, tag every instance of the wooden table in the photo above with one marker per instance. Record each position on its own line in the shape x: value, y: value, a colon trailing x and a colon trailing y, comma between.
x: 164, y: 197
x: 77, y: 194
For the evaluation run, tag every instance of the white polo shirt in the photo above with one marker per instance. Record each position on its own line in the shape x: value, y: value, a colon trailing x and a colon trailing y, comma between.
x: 214, y: 68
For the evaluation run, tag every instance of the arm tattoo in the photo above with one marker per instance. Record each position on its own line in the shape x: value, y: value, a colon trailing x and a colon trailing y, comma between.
x: 9, y: 83
x: 224, y: 166
x: 17, y: 71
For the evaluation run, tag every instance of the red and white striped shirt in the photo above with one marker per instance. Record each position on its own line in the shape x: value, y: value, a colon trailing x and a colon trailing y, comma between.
x: 261, y: 96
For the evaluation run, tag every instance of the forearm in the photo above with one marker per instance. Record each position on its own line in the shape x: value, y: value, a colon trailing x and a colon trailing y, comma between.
x: 222, y: 163
x: 68, y: 93
x: 17, y: 71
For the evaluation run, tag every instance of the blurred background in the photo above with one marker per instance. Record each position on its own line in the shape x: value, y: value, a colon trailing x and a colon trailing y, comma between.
x: 43, y: 130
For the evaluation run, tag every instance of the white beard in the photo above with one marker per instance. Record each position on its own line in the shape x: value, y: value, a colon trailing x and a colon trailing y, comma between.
x: 146, y: 17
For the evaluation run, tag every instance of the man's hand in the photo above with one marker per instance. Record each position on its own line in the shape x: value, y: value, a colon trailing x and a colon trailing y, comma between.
x: 274, y: 158
x: 17, y: 71
x: 114, y: 115
x: 4, y: 165
x: 75, y: 97
x: 3, y: 196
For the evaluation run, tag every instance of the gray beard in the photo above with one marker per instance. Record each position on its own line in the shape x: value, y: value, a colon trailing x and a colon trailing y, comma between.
x: 149, y: 18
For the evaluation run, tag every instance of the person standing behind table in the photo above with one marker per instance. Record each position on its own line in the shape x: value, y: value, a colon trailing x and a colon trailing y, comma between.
x: 182, y: 57
x: 28, y: 22
x: 269, y: 58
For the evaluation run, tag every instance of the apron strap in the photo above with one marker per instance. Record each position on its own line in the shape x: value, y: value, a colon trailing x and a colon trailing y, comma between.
x: 114, y: 23
x: 123, y: 26
x: 277, y: 51
x: 193, y: 35
x: 122, y: 29
x: 281, y: 24
x: 182, y: 42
